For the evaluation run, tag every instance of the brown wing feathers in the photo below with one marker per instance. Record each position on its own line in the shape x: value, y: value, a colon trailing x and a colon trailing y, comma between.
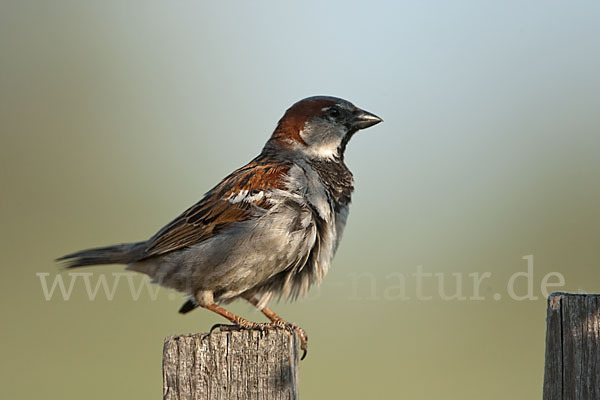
x: 216, y: 210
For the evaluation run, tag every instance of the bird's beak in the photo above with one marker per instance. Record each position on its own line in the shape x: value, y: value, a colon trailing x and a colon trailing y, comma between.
x: 364, y: 119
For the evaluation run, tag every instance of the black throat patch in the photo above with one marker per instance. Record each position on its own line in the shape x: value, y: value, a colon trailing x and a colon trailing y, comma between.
x: 337, y: 179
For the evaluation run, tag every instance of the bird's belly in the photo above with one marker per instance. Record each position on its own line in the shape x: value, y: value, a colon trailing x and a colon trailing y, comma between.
x: 235, y: 260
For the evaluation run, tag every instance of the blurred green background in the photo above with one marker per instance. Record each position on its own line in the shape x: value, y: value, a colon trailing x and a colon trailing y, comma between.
x: 115, y: 116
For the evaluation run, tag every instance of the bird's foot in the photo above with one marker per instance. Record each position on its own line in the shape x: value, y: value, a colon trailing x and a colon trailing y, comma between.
x: 239, y: 325
x: 280, y: 324
x: 291, y: 327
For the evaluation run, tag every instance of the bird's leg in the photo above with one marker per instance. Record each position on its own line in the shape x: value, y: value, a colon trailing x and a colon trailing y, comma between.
x: 236, y: 319
x: 277, y: 321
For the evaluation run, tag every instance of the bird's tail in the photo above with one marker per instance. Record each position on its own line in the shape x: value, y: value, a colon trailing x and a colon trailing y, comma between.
x: 118, y: 254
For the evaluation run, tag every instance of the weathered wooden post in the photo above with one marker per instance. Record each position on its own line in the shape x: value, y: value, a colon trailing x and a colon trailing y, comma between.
x: 572, y: 347
x: 236, y: 364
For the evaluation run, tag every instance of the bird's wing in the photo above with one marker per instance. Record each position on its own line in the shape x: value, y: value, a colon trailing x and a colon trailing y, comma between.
x: 236, y: 198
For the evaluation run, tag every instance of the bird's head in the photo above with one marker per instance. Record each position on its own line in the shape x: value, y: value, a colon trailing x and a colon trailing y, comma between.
x: 319, y: 127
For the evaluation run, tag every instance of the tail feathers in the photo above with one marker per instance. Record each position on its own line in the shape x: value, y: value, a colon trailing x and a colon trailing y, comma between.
x: 188, y: 306
x: 119, y: 254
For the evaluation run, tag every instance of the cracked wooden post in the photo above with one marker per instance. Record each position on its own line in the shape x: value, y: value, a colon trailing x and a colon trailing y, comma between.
x: 572, y: 347
x: 239, y: 364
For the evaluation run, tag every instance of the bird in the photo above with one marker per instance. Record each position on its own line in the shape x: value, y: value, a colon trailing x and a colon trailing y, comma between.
x: 269, y: 230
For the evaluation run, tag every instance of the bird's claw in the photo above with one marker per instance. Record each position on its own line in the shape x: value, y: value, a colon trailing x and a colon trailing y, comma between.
x: 290, y: 327
x: 293, y: 328
x: 240, y: 325
x: 222, y: 328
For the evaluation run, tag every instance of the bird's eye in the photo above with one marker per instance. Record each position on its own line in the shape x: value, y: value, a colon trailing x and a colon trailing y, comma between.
x: 333, y: 112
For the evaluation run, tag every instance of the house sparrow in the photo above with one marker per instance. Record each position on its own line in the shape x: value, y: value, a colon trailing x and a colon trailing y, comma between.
x: 269, y: 229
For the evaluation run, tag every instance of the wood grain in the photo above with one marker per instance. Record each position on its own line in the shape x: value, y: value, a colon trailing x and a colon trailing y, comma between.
x: 572, y: 347
x: 238, y: 364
